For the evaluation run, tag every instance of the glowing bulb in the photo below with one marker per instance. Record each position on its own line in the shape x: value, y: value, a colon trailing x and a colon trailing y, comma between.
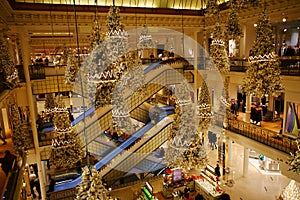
x: 285, y: 30
x: 255, y: 25
x: 284, y: 19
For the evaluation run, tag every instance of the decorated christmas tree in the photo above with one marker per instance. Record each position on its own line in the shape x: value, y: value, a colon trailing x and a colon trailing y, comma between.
x: 110, y: 60
x: 184, y: 144
x: 291, y: 192
x: 145, y: 40
x: 218, y: 51
x: 204, y: 108
x: 263, y: 74
x: 66, y: 146
x: 71, y: 69
x: 49, y: 107
x: 294, y: 159
x: 6, y: 64
x: 233, y: 27
x: 91, y: 187
x: 21, y: 137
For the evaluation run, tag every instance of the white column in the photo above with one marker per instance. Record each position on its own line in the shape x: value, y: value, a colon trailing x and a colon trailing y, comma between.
x: 26, y: 62
x: 229, y: 152
x: 246, y: 161
x: 248, y: 107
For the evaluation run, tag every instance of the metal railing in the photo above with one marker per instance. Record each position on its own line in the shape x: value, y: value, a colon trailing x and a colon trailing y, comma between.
x: 260, y: 134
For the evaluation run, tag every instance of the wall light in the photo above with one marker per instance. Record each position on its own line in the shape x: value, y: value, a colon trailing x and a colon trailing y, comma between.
x: 284, y: 19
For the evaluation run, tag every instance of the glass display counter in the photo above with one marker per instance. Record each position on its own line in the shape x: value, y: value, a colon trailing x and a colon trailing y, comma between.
x: 207, y: 189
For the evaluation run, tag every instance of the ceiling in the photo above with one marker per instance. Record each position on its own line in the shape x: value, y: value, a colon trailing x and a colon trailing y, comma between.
x: 172, y: 4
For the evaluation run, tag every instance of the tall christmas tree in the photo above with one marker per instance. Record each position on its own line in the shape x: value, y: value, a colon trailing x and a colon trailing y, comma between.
x: 91, y: 187
x: 66, y: 146
x: 233, y: 27
x: 113, y: 60
x: 263, y: 74
x: 204, y: 108
x: 110, y: 60
x: 184, y: 144
x: 10, y: 72
x: 218, y: 51
x: 21, y: 137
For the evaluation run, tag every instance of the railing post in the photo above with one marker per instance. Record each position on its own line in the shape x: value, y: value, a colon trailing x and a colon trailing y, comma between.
x: 248, y: 107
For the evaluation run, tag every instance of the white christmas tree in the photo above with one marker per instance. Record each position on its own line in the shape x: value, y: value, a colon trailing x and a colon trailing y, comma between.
x: 184, y: 143
x: 91, y: 187
x: 291, y: 192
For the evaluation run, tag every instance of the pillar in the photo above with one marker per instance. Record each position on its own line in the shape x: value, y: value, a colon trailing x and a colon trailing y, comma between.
x: 248, y: 108
x: 229, y: 146
x: 246, y: 161
x: 26, y: 62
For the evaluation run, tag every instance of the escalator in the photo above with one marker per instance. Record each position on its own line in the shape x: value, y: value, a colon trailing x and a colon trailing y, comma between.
x: 129, y: 149
x: 97, y: 121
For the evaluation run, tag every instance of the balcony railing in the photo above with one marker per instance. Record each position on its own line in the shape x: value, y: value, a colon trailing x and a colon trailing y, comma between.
x: 289, y: 66
x: 257, y: 133
x: 35, y: 72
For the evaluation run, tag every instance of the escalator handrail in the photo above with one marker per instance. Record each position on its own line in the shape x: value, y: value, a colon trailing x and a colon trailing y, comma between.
x: 106, y: 159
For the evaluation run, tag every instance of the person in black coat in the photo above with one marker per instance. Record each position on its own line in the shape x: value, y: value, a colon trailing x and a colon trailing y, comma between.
x: 1, y: 138
x: 51, y: 185
x: 7, y: 162
x: 217, y: 170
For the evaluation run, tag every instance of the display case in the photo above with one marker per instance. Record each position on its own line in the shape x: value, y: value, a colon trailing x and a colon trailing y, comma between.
x: 207, y: 185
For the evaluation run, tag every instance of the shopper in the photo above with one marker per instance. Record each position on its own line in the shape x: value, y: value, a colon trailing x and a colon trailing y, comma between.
x: 199, y: 196
x: 51, y: 185
x: 217, y: 171
x: 1, y: 138
x: 7, y: 162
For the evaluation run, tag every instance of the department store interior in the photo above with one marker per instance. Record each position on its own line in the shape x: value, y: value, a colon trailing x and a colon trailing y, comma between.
x: 137, y: 100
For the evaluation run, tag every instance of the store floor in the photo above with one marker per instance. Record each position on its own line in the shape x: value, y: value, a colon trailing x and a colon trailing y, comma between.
x: 256, y: 185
